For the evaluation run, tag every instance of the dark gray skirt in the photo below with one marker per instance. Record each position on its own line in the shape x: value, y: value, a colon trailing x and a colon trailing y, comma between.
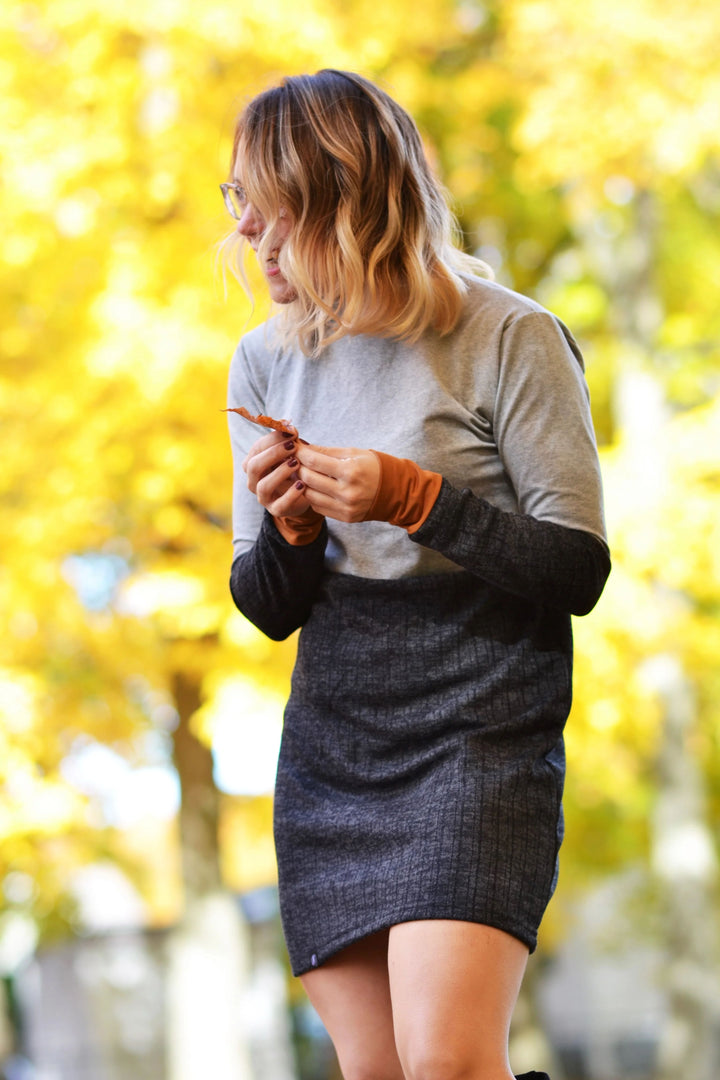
x: 422, y: 761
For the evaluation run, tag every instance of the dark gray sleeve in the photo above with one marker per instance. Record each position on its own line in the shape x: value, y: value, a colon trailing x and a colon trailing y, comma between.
x: 275, y: 583
x: 549, y: 564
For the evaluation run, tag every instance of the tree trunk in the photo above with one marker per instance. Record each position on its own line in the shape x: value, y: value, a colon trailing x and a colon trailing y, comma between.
x: 200, y: 802
x: 208, y: 953
x: 685, y: 865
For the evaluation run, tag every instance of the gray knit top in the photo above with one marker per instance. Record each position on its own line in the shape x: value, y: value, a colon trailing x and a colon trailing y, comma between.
x: 499, y: 408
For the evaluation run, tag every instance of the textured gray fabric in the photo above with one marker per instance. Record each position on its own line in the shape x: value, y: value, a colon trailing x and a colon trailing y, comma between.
x: 538, y: 560
x: 421, y: 767
x: 499, y: 406
x: 422, y: 760
x: 274, y: 584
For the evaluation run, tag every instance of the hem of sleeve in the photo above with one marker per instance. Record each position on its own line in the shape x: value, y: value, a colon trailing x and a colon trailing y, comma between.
x: 442, y: 513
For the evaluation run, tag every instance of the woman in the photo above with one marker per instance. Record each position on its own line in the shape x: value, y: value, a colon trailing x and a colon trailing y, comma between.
x: 430, y: 518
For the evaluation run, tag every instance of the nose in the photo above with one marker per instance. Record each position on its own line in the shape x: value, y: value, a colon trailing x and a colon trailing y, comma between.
x: 251, y: 225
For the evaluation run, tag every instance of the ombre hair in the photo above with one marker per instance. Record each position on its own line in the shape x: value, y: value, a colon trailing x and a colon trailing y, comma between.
x: 372, y: 245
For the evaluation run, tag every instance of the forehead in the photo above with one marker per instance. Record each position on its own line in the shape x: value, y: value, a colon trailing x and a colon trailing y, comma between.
x: 244, y: 168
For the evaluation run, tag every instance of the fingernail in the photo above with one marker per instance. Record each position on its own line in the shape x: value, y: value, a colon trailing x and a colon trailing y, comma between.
x: 292, y: 462
x: 299, y: 485
x: 289, y: 445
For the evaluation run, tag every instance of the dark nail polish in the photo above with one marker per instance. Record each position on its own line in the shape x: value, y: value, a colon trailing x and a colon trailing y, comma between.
x: 289, y: 445
x: 299, y: 485
x: 292, y: 462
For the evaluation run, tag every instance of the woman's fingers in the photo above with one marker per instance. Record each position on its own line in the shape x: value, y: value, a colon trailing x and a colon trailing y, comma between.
x: 271, y: 439
x: 276, y: 480
x: 340, y: 483
x: 271, y: 466
x: 289, y: 476
x: 292, y: 503
x: 265, y: 456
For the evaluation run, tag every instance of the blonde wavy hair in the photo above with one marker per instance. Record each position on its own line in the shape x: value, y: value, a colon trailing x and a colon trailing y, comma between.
x: 372, y: 245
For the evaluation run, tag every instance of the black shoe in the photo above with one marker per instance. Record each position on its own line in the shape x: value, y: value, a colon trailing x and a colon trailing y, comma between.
x: 532, y: 1076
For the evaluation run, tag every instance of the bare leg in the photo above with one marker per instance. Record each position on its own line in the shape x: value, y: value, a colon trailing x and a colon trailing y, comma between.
x: 351, y: 993
x: 454, y: 986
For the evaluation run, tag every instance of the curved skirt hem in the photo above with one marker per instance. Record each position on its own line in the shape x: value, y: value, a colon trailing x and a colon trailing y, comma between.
x: 336, y: 945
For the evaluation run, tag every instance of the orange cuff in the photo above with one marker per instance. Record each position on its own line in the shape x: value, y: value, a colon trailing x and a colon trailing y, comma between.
x: 406, y: 493
x: 300, y: 530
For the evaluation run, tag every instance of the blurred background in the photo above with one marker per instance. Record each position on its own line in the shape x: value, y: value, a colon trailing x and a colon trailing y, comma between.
x: 139, y: 713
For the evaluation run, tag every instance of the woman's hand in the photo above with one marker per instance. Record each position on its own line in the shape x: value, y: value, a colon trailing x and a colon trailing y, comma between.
x: 271, y: 467
x: 339, y: 483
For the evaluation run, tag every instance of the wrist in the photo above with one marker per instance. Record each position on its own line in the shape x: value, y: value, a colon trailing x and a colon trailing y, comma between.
x: 406, y: 493
x: 300, y: 530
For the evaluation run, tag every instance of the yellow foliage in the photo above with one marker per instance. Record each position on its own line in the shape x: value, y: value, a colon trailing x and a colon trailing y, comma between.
x: 545, y: 119
x: 247, y: 847
x: 639, y: 80
x: 662, y: 599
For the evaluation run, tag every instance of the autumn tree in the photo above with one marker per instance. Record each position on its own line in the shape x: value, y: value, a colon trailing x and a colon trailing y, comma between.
x: 580, y: 143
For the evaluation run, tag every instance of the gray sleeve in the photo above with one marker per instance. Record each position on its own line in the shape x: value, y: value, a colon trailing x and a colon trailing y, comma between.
x: 553, y: 552
x: 272, y: 582
x: 243, y: 389
x: 543, y: 426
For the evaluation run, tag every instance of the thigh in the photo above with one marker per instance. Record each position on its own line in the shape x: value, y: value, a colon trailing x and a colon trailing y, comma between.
x: 351, y: 994
x: 453, y: 986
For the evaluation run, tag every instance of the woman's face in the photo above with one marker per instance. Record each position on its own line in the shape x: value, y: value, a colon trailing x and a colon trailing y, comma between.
x: 252, y: 226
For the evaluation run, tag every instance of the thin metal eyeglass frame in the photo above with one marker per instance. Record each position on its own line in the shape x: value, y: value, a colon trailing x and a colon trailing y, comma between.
x: 227, y: 198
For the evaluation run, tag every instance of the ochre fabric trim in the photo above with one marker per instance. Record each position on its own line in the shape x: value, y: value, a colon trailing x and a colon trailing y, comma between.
x: 406, y: 493
x: 300, y: 530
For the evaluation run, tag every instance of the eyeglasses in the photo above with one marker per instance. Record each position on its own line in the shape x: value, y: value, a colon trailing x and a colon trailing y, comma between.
x: 235, y: 199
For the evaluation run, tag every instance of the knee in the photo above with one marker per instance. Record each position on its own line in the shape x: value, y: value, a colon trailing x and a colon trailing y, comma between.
x: 439, y: 1063
x: 366, y: 1069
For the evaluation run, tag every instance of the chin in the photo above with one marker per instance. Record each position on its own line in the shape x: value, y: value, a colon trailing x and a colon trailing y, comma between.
x: 283, y: 294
